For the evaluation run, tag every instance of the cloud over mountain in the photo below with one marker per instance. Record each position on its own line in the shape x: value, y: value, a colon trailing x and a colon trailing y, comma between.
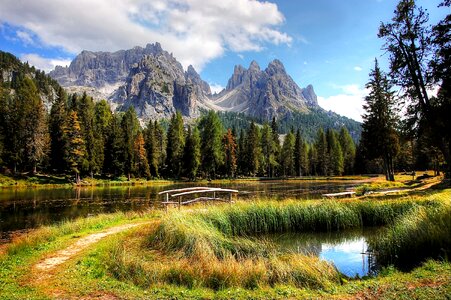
x: 196, y: 31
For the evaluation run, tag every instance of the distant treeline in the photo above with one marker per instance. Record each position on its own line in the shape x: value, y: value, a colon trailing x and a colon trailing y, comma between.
x: 84, y: 138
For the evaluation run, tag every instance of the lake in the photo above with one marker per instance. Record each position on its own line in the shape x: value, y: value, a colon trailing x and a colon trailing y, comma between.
x: 29, y: 208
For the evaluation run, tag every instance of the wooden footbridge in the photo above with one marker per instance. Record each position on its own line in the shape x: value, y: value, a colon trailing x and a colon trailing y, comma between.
x: 175, y: 197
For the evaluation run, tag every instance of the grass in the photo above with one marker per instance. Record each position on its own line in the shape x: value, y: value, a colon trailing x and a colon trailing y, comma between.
x: 219, y: 248
x: 200, y: 253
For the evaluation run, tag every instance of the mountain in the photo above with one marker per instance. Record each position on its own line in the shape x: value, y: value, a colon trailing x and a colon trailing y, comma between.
x: 264, y: 93
x: 156, y: 85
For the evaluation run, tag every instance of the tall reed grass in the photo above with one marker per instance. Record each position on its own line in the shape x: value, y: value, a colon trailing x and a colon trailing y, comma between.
x: 220, y: 247
x: 422, y: 233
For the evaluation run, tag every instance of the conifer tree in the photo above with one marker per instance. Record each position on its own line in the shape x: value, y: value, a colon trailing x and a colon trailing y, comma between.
x: 252, y: 150
x: 241, y: 153
x: 211, y: 137
x: 349, y: 149
x: 102, y: 121
x: 192, y: 156
x: 130, y: 129
x: 141, y: 165
x: 313, y: 160
x: 175, y: 145
x: 379, y: 137
x: 269, y: 151
x: 335, y: 154
x: 75, y: 148
x: 58, y: 115
x: 115, y: 148
x: 276, y: 144
x: 322, y: 160
x: 230, y: 148
x: 160, y: 147
x: 287, y: 155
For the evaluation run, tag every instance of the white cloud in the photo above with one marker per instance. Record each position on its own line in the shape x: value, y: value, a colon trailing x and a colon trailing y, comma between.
x: 349, y: 102
x: 358, y: 69
x: 196, y: 31
x: 42, y: 63
x: 215, y: 88
x: 25, y: 37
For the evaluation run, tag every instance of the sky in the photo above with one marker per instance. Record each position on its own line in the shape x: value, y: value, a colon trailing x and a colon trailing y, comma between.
x: 330, y: 44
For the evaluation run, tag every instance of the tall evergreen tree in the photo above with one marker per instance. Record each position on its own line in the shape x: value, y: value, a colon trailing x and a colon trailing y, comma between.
x: 287, y: 155
x: 211, y: 137
x: 141, y: 165
x: 115, y: 148
x: 322, y: 159
x: 192, y: 156
x: 335, y: 154
x: 130, y: 129
x: 313, y: 160
x: 379, y: 137
x: 75, y: 148
x: 348, y: 148
x: 252, y: 150
x: 276, y: 144
x: 175, y: 145
x: 58, y: 115
x: 241, y: 153
x: 269, y: 150
x: 230, y: 152
x: 160, y: 147
x: 102, y: 122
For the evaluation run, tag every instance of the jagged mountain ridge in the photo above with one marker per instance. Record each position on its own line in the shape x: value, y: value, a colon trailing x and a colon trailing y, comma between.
x: 155, y: 83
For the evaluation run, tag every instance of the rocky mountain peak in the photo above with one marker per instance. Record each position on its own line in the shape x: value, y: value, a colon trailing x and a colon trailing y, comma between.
x: 310, y: 95
x: 275, y: 67
x: 254, y: 66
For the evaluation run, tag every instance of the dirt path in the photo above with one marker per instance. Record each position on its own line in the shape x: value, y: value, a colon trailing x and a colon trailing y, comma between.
x: 55, y: 259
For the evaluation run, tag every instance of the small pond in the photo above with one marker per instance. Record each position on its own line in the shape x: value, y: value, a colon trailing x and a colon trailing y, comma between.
x: 347, y: 250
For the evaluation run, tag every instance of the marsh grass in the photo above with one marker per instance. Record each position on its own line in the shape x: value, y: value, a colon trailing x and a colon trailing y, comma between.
x: 422, y: 233
x: 221, y: 247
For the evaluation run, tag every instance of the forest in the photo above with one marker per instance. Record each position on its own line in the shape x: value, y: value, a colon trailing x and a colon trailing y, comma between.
x: 44, y: 130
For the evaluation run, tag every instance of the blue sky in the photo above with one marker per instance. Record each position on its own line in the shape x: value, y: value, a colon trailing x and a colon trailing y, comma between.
x: 328, y: 43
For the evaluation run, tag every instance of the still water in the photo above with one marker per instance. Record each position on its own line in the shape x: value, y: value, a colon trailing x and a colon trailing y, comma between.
x: 30, y: 208
x: 348, y: 250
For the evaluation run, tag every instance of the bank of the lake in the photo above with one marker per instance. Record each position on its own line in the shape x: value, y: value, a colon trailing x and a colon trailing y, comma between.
x: 210, y: 252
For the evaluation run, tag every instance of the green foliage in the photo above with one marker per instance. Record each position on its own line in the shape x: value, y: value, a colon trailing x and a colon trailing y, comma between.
x: 211, y: 132
x: 287, y: 155
x: 252, y: 150
x: 379, y: 137
x: 75, y: 145
x: 130, y: 128
x: 175, y: 145
x: 230, y: 153
x: 348, y: 149
x: 192, y: 153
x: 334, y: 153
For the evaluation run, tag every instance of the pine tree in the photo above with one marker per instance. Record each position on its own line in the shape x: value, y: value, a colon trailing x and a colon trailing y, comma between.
x: 175, y: 145
x: 115, y: 148
x: 313, y: 160
x: 230, y: 148
x: 211, y: 137
x: 141, y: 165
x: 287, y: 155
x: 75, y: 148
x: 160, y: 147
x: 349, y: 149
x: 102, y: 122
x: 192, y: 156
x: 94, y: 159
x: 322, y: 159
x: 252, y: 150
x: 58, y: 115
x: 269, y: 151
x: 241, y: 153
x: 335, y: 154
x: 379, y: 137
x: 276, y: 144
x: 130, y: 129
x: 36, y: 136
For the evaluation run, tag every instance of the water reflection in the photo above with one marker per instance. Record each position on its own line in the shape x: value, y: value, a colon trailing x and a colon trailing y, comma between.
x: 347, y: 250
x: 30, y: 208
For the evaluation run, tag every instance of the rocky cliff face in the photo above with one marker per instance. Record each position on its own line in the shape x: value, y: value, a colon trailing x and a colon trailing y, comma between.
x: 264, y: 93
x: 154, y: 82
